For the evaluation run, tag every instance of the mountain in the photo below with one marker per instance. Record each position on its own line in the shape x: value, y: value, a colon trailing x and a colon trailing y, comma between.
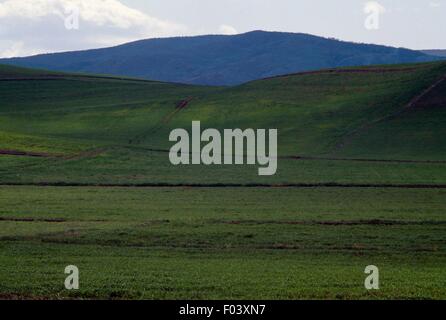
x: 437, y: 53
x: 222, y: 60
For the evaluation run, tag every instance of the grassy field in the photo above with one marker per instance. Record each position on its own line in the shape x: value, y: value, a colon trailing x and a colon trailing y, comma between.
x: 287, y: 243
x: 85, y: 180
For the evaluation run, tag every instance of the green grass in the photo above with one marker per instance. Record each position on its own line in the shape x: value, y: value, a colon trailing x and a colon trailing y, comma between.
x: 225, y: 243
x: 238, y: 242
x: 133, y: 166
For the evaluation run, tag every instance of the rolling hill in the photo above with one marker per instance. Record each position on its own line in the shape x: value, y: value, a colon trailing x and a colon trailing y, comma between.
x: 222, y: 60
x: 117, y: 129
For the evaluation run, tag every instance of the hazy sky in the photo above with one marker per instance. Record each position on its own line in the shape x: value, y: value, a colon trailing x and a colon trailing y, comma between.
x: 36, y: 26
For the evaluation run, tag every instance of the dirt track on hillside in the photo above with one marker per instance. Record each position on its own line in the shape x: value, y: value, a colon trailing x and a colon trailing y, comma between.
x: 32, y: 220
x: 361, y: 222
x: 26, y: 154
x: 179, y: 106
x: 366, y: 160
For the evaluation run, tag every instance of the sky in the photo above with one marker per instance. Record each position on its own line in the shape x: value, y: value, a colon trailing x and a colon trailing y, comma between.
x: 30, y: 27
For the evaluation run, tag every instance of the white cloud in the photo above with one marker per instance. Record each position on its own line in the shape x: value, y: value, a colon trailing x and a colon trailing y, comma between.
x: 38, y: 26
x: 228, y: 30
x: 14, y: 49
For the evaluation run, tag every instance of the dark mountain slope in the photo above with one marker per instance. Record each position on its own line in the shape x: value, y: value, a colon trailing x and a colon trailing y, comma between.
x: 222, y: 60
x: 438, y: 53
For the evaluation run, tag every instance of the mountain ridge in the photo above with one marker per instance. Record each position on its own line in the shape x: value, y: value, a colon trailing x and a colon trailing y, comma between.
x: 222, y: 59
x: 435, y: 52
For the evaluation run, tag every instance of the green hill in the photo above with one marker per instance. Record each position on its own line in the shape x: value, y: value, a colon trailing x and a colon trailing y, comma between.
x: 95, y: 129
x: 85, y: 179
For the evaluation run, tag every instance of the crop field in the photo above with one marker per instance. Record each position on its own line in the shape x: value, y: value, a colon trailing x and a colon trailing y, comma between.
x: 85, y: 180
x: 287, y: 243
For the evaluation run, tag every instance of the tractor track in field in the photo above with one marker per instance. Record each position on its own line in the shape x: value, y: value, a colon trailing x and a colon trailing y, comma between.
x: 226, y: 185
x: 360, y: 222
x: 315, y: 158
x: 366, y: 160
x: 84, y: 154
x: 49, y: 220
x: 98, y: 151
x: 28, y: 154
x: 180, y: 105
x: 346, y: 140
x: 24, y: 297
